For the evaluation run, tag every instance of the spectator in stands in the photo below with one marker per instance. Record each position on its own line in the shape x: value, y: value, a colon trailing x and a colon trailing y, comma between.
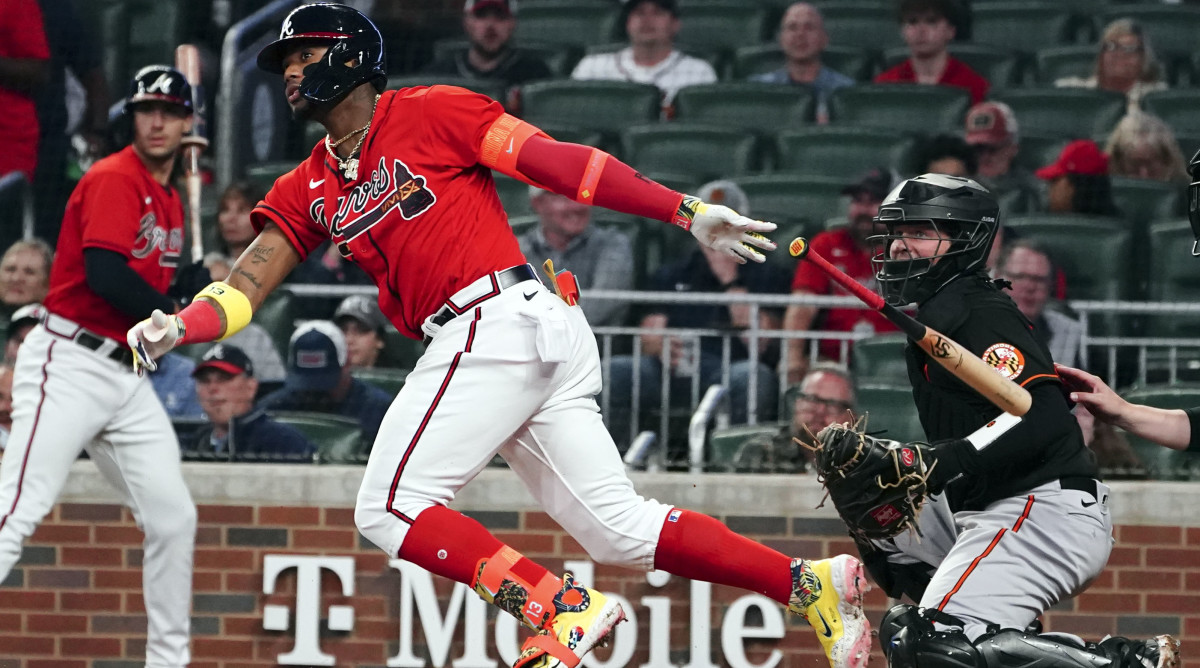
x: 6, y: 381
x: 600, y: 258
x: 946, y: 154
x: 319, y: 380
x: 850, y: 249
x: 23, y: 320
x: 802, y: 37
x: 1078, y: 181
x: 24, y: 70
x: 489, y: 25
x: 233, y: 217
x: 651, y: 56
x: 175, y: 389
x: 226, y: 387
x: 1027, y: 266
x: 1125, y: 64
x: 992, y: 131
x: 253, y: 339
x: 363, y: 325
x: 1142, y: 146
x: 826, y: 395
x: 24, y: 274
x: 928, y: 27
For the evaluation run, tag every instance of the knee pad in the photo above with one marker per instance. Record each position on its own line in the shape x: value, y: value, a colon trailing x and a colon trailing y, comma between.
x: 909, y: 639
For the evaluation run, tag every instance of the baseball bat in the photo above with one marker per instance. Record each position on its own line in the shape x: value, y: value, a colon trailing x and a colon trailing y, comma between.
x: 1005, y: 394
x: 187, y: 61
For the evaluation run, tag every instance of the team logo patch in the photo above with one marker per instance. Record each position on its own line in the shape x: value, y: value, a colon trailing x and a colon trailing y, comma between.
x: 313, y: 359
x: 1005, y: 359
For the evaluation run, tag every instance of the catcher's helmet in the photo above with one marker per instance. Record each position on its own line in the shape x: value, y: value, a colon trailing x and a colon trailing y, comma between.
x: 962, y: 212
x: 159, y: 83
x: 354, y: 38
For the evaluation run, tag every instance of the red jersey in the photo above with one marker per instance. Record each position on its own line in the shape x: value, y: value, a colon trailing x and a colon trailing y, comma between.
x: 839, y: 248
x: 120, y: 207
x: 423, y: 219
x: 956, y: 74
x: 21, y: 36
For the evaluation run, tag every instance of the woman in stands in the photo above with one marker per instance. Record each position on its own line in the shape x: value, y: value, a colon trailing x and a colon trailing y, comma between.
x: 1125, y: 64
x: 1142, y: 146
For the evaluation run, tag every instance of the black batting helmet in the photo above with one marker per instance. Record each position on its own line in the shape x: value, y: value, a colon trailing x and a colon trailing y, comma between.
x: 962, y: 213
x: 159, y: 83
x: 354, y: 38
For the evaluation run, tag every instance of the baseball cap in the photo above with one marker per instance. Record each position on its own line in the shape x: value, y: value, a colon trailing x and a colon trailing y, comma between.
x: 29, y: 314
x: 991, y: 123
x: 725, y: 193
x: 364, y: 309
x: 473, y: 6
x: 316, y: 355
x: 227, y: 358
x: 877, y: 183
x: 1081, y: 156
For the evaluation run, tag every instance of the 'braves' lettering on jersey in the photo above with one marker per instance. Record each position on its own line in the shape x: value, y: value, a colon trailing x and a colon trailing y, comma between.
x: 425, y: 221
x: 117, y: 206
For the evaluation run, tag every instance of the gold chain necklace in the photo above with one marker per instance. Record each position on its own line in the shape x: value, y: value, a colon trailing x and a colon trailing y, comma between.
x: 349, y: 166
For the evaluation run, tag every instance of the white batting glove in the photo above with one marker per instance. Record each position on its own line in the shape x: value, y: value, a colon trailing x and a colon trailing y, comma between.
x: 152, y: 338
x: 723, y: 229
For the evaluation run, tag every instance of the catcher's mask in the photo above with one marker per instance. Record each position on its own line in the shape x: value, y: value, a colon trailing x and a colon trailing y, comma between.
x: 956, y: 210
x: 1194, y: 202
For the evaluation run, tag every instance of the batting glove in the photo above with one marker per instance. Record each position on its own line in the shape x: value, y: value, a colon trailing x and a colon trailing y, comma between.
x: 723, y: 229
x: 152, y: 338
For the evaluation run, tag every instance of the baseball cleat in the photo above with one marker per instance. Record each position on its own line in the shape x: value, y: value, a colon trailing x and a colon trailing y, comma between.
x: 828, y: 593
x: 583, y: 619
x: 1157, y: 652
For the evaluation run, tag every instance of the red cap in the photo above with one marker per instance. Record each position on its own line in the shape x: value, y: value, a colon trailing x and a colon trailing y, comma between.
x: 1081, y: 156
x: 991, y: 123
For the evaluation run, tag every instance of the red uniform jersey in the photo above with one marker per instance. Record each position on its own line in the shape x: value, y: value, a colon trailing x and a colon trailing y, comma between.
x: 839, y: 248
x: 120, y: 207
x: 423, y: 219
x: 957, y: 73
x: 21, y: 36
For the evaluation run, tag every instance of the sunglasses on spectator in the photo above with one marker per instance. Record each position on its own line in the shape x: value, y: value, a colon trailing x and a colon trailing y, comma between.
x: 828, y: 403
x: 1122, y: 48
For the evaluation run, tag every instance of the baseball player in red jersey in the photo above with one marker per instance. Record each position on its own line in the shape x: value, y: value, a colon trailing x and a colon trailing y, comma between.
x: 75, y: 385
x: 403, y: 186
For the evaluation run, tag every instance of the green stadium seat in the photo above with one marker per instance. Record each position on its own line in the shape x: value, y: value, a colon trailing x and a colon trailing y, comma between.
x: 560, y: 58
x: 677, y: 181
x: 399, y: 351
x: 889, y: 408
x: 338, y: 439
x: 277, y: 315
x: 264, y: 174
x: 1037, y: 151
x: 1071, y: 113
x: 761, y: 108
x: 606, y: 106
x: 1144, y: 201
x: 842, y: 152
x: 880, y: 360
x: 858, y: 63
x: 723, y: 444
x: 1059, y: 62
x: 901, y: 107
x: 1172, y: 30
x: 1177, y: 107
x: 388, y: 380
x: 809, y: 197
x: 720, y: 24
x: 1172, y: 278
x: 514, y: 195
x: 493, y: 89
x: 1164, y: 463
x: 575, y: 135
x: 674, y: 147
x: 1000, y: 66
x: 574, y: 22
x: 1021, y: 26
x: 860, y: 24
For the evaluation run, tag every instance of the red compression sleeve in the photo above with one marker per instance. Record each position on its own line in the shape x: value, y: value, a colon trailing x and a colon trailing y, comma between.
x: 201, y: 322
x: 563, y: 167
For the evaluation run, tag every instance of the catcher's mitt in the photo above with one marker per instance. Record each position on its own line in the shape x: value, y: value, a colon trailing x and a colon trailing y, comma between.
x: 877, y: 485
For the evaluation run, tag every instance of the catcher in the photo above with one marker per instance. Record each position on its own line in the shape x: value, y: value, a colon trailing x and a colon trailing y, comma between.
x: 1011, y: 517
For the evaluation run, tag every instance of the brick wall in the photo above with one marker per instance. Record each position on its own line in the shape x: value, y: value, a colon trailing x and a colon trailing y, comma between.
x: 74, y: 601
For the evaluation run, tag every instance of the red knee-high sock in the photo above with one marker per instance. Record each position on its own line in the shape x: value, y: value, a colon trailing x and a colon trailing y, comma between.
x: 699, y: 547
x: 447, y: 543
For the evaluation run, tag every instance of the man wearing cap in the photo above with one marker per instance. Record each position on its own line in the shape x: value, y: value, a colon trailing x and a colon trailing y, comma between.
x: 992, y: 131
x: 803, y: 38
x: 226, y: 386
x: 363, y: 325
x: 651, y: 56
x: 600, y: 258
x: 23, y: 320
x: 319, y: 380
x: 1078, y: 181
x: 850, y: 249
x: 489, y: 26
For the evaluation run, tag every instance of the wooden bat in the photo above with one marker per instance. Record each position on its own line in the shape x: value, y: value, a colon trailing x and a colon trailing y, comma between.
x: 187, y: 61
x: 1005, y: 394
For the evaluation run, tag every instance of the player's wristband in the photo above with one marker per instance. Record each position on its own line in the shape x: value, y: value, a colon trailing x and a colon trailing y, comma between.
x: 233, y: 302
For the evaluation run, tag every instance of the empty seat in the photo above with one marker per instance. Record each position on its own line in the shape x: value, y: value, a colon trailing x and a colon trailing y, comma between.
x: 575, y: 22
x: 753, y: 107
x: 723, y: 444
x: 338, y: 439
x: 1163, y: 463
x: 889, y: 408
x: 880, y: 360
x: 812, y: 197
x: 607, y: 106
x: 1059, y: 62
x: 674, y: 147
x: 277, y: 315
x: 496, y: 90
x: 514, y: 195
x: 399, y: 351
x: 1021, y: 26
x: 860, y: 24
x: 720, y: 24
x: 1144, y: 201
x: 264, y: 174
x: 1172, y: 277
x: 388, y: 380
x: 901, y: 107
x: 843, y: 152
x: 1177, y: 107
x: 1036, y: 151
x: 1000, y: 66
x: 1072, y: 113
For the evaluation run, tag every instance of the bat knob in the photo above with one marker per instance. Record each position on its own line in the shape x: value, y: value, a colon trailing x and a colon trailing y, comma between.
x: 799, y: 247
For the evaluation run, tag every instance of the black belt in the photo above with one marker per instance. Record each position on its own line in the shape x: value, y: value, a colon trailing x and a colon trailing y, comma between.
x: 1080, y: 484
x: 506, y: 278
x: 121, y: 353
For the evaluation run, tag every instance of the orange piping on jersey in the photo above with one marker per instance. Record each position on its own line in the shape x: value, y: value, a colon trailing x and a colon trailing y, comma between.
x: 591, y: 176
x: 1040, y: 375
x: 963, y: 578
x: 502, y: 144
x: 1024, y: 514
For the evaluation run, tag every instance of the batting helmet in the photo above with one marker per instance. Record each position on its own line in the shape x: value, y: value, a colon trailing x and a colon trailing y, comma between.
x: 962, y: 212
x: 354, y: 38
x: 159, y: 83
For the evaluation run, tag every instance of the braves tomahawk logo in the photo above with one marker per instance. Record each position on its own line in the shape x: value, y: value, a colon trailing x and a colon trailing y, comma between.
x: 153, y: 237
x: 366, y: 205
